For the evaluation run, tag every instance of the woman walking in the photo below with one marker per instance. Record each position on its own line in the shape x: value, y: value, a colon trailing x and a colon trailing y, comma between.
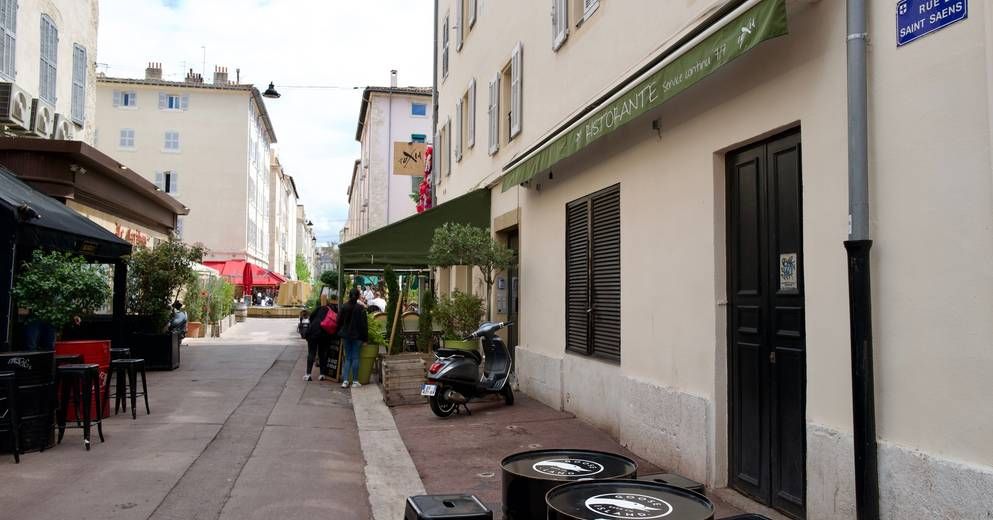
x: 319, y: 340
x: 353, y: 327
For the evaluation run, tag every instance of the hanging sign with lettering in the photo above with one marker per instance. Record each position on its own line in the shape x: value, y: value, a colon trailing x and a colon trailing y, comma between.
x: 917, y: 18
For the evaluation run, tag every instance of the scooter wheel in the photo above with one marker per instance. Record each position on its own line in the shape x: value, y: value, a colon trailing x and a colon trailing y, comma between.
x: 508, y: 395
x: 441, y: 406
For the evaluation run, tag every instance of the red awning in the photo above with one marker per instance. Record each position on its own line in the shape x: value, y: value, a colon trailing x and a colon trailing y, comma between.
x: 234, y: 269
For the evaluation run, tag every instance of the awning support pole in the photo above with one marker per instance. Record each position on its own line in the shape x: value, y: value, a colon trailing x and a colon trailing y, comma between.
x: 858, y: 246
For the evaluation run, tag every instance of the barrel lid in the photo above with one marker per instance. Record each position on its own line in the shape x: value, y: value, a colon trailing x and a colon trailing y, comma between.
x: 569, y: 465
x: 623, y: 499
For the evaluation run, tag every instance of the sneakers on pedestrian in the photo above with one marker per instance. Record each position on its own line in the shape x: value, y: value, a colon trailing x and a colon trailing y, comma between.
x: 344, y: 384
x: 321, y: 377
x: 356, y: 384
x: 306, y: 377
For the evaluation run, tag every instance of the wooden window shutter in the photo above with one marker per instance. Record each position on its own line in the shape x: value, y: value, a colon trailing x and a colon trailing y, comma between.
x: 560, y: 22
x: 577, y: 276
x: 162, y: 101
x: 605, y: 270
x: 457, y: 135
x: 472, y: 12
x: 459, y: 33
x: 184, y: 102
x: 471, y: 113
x: 494, y: 115
x: 515, y: 90
x: 117, y: 98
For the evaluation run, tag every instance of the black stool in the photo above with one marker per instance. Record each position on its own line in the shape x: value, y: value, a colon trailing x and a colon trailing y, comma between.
x: 68, y: 359
x: 674, y: 480
x: 80, y: 384
x: 120, y: 353
x: 9, y: 414
x: 129, y: 368
x: 438, y: 507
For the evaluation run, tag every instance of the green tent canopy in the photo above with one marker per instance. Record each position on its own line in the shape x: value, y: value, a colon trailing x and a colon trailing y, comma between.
x: 405, y: 244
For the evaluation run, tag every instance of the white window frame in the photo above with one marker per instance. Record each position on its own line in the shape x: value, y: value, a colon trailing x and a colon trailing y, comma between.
x: 182, y: 102
x: 470, y: 137
x: 79, y: 68
x: 167, y: 141
x: 493, y: 113
x: 560, y: 23
x: 444, y: 48
x: 516, y: 90
x: 589, y: 7
x: 126, y: 139
x: 8, y: 39
x: 459, y: 32
x: 121, y: 98
x: 458, y: 130
x: 49, y: 61
x: 473, y: 8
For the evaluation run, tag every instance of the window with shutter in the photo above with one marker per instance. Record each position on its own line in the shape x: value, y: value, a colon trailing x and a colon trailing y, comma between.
x: 560, y: 23
x: 159, y: 180
x: 459, y: 33
x: 49, y: 60
x: 8, y: 38
x: 493, y: 112
x: 448, y: 147
x: 472, y: 12
x: 118, y: 98
x: 458, y: 131
x: 127, y: 138
x: 471, y: 115
x: 444, y: 48
x: 593, y: 275
x: 78, y: 83
x: 515, y: 90
x: 589, y: 7
x: 171, y: 141
x: 184, y: 102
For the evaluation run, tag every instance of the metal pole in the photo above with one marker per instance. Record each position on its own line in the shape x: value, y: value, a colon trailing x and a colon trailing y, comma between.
x: 858, y: 247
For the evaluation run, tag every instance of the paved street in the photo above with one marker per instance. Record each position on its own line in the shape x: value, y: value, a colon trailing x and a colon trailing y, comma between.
x: 234, y: 433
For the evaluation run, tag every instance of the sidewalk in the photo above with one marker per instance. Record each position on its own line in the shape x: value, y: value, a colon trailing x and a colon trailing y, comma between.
x: 462, y: 454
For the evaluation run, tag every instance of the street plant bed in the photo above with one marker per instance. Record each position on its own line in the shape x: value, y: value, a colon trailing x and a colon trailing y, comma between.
x: 403, y: 375
x: 274, y: 312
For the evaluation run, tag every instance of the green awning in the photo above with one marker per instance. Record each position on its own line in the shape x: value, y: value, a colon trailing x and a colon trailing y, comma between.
x: 764, y: 21
x: 405, y: 244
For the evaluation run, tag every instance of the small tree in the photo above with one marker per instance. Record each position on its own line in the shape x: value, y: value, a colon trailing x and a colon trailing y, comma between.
x: 464, y: 244
x: 392, y: 301
x: 303, y: 270
x: 57, y: 286
x: 426, y: 322
x: 459, y: 314
x: 156, y: 277
x: 330, y: 279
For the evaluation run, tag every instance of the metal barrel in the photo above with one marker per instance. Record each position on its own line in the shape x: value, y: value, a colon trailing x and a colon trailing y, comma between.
x: 35, y: 374
x: 530, y: 475
x: 600, y: 499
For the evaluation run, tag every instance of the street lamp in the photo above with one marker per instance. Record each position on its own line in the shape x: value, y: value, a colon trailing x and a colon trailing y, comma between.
x: 271, y: 92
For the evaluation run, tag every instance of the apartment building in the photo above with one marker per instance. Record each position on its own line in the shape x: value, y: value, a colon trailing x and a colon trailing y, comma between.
x: 674, y: 175
x: 282, y: 226
x: 207, y: 144
x: 306, y: 240
x: 393, y: 128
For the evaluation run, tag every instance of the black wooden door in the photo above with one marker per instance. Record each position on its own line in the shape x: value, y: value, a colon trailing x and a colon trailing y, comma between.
x: 767, y: 361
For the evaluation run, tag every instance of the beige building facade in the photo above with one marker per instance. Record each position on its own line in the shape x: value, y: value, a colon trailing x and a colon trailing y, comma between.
x: 705, y: 237
x: 283, y: 199
x: 209, y: 145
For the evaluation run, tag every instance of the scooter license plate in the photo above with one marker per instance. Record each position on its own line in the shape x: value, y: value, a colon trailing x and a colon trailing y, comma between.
x: 429, y: 390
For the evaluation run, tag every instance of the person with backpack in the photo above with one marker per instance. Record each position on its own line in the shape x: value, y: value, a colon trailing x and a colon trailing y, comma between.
x: 354, y: 330
x: 321, y: 333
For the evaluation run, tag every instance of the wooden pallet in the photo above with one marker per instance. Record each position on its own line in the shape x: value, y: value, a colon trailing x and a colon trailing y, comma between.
x: 403, y: 375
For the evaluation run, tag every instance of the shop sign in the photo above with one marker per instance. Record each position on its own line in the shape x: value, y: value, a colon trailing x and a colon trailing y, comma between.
x: 917, y: 18
x: 408, y: 158
x: 134, y: 236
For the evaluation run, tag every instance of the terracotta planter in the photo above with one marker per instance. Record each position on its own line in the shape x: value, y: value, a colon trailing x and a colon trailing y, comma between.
x: 194, y: 329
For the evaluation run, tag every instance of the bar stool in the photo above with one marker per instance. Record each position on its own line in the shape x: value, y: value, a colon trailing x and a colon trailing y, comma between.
x: 129, y: 368
x: 80, y: 384
x: 68, y: 359
x: 120, y: 353
x: 9, y: 414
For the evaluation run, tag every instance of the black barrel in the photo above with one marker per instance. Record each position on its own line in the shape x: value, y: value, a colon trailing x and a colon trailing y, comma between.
x: 530, y: 475
x: 622, y: 499
x: 35, y: 373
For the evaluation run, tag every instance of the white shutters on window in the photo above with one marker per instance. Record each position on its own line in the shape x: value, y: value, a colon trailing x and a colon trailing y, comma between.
x: 589, y: 6
x: 493, y: 112
x: 448, y: 147
x: 8, y: 37
x: 117, y: 98
x: 472, y: 12
x: 163, y: 101
x: 160, y: 180
x: 458, y: 131
x: 173, y: 183
x: 79, y: 66
x: 470, y: 137
x: 515, y: 90
x: 185, y: 103
x: 49, y: 59
x: 560, y: 22
x: 459, y: 32
x: 444, y: 49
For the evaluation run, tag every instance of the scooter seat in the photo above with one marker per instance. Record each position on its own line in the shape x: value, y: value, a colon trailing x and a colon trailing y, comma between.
x: 446, y: 352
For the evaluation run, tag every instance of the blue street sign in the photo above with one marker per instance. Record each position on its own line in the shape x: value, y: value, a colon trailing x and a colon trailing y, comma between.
x: 916, y: 18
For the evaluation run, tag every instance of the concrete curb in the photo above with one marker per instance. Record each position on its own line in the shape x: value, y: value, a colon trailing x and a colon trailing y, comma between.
x: 390, y: 474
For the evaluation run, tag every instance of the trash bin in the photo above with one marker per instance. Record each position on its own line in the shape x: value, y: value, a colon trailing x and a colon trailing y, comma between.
x: 240, y: 312
x: 598, y: 499
x: 530, y: 475
x: 438, y: 507
x: 367, y: 358
x: 35, y: 376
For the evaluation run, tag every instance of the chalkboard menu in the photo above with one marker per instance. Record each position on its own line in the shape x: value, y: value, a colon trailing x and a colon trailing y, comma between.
x: 334, y: 360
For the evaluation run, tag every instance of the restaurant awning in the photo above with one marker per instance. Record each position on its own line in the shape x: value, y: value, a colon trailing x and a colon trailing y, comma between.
x: 45, y: 222
x: 686, y: 64
x: 405, y: 244
x: 233, y: 271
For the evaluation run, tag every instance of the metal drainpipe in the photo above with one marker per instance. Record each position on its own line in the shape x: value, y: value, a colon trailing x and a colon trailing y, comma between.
x: 859, y: 281
x: 434, y: 112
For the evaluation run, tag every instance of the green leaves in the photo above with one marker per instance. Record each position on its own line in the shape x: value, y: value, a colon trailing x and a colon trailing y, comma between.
x: 57, y: 286
x: 464, y: 244
x: 155, y: 277
x: 303, y: 270
x: 426, y: 321
x: 459, y: 315
x: 392, y: 300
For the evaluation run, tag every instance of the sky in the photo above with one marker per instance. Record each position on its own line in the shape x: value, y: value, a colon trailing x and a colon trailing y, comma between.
x: 293, y: 43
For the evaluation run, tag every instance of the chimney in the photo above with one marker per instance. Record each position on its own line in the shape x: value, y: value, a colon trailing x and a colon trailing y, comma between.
x: 221, y: 76
x: 194, y: 78
x: 237, y: 76
x: 393, y: 78
x: 153, y: 71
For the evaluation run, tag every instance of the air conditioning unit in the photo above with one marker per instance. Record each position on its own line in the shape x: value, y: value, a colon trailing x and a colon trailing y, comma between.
x: 64, y: 128
x: 15, y: 107
x: 42, y: 118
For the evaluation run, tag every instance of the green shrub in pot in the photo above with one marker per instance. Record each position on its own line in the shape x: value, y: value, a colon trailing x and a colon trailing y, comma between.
x: 459, y: 316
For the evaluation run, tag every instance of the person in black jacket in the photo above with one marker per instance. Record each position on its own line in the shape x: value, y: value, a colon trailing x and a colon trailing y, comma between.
x: 353, y: 327
x: 318, y: 340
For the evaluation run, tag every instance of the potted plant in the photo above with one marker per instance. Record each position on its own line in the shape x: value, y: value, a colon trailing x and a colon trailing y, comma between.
x: 155, y: 279
x: 465, y: 244
x: 56, y: 288
x: 196, y: 308
x: 459, y: 316
x: 425, y: 333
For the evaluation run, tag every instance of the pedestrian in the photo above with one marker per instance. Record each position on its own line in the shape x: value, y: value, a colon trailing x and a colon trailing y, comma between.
x: 179, y: 319
x: 319, y: 341
x: 353, y: 327
x: 378, y: 302
x: 367, y: 293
